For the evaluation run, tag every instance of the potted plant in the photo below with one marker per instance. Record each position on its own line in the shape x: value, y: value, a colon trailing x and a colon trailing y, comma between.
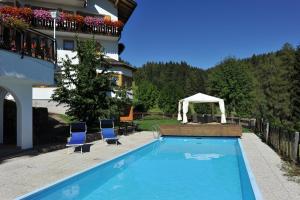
x: 14, y: 22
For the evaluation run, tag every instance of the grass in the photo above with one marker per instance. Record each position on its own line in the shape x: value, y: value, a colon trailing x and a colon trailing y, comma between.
x: 147, y: 124
x: 156, y: 109
x: 246, y: 130
x: 65, y: 118
x: 292, y: 171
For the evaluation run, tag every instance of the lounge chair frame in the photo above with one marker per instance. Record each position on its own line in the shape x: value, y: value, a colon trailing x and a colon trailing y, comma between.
x: 116, y: 139
x: 72, y: 132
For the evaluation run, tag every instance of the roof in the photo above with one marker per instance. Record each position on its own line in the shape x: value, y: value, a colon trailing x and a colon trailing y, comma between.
x: 125, y: 8
x: 117, y: 63
x: 201, y: 98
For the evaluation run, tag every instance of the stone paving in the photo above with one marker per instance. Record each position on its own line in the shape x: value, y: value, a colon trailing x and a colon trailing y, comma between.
x: 266, y: 167
x: 26, y: 173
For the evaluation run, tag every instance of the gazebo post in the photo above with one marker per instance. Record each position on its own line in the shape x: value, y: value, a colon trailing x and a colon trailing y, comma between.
x: 212, y: 107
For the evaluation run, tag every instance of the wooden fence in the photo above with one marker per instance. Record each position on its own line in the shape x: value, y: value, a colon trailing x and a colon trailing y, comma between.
x: 283, y: 141
x: 142, y: 115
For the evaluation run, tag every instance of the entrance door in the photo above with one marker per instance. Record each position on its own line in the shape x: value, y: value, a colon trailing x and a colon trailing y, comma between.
x: 10, y: 123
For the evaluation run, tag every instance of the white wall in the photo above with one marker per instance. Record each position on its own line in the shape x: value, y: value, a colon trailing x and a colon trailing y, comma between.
x: 22, y: 91
x: 17, y: 76
x: 42, y: 93
x: 110, y: 49
x: 31, y: 69
x: 102, y: 7
x: 51, y: 106
x: 62, y: 55
x: 41, y: 97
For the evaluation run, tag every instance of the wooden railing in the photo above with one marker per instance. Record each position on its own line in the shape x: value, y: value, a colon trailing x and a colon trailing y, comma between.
x: 28, y: 43
x: 73, y: 26
x: 282, y: 140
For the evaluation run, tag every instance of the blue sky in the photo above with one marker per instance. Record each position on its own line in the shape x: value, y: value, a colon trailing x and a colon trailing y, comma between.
x: 203, y: 32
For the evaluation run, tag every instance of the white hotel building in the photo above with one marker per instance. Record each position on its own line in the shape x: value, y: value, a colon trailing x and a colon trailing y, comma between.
x: 27, y: 73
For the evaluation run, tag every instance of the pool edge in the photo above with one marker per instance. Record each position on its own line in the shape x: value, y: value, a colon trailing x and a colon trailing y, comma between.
x: 251, y: 176
x: 83, y: 171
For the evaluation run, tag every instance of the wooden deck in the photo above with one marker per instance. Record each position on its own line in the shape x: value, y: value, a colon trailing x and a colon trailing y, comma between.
x: 214, y: 130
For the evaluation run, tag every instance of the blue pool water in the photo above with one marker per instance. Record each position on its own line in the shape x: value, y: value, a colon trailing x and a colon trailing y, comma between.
x: 169, y: 169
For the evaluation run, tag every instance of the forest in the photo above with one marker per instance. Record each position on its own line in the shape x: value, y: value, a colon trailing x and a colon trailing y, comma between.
x: 261, y: 86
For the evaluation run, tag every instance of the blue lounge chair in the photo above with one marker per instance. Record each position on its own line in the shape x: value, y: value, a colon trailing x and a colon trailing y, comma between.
x: 107, y: 131
x: 78, y: 135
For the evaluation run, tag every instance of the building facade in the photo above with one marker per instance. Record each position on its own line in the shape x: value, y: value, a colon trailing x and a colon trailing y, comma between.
x: 29, y: 58
x: 102, y: 19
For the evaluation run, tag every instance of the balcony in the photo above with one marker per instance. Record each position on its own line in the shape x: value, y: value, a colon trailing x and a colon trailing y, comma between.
x: 29, y: 42
x: 66, y: 22
x: 73, y: 26
x: 26, y: 54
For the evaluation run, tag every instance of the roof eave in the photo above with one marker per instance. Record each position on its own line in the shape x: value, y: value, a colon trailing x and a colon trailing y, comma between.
x: 125, y: 8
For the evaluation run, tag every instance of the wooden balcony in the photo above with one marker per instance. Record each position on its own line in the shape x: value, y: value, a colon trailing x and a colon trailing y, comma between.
x: 28, y: 43
x: 26, y: 56
x: 73, y: 26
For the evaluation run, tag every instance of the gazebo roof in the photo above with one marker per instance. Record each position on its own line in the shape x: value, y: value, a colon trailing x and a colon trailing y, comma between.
x: 201, y: 98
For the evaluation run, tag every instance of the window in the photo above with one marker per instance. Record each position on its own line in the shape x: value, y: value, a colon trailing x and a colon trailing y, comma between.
x: 126, y: 81
x: 115, y: 79
x: 69, y: 45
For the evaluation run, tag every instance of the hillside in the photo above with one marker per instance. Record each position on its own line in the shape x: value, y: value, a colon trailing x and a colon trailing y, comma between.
x: 265, y: 85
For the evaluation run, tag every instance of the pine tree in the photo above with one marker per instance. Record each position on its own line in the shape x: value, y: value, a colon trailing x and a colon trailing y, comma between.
x: 82, y: 89
x: 168, y: 98
x: 296, y: 90
x: 275, y: 76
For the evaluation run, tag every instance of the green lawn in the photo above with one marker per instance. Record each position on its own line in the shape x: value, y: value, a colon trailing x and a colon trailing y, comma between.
x: 65, y: 118
x: 147, y: 124
x: 246, y: 130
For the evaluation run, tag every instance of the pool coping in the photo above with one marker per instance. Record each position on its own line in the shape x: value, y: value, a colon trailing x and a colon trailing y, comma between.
x: 83, y: 171
x: 251, y: 176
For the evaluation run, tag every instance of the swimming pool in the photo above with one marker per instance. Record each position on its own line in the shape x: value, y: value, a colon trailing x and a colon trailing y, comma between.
x: 172, y: 168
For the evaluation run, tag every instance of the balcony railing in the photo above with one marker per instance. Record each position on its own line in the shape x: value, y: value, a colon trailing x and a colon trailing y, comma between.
x: 41, y: 19
x: 73, y: 26
x: 28, y: 43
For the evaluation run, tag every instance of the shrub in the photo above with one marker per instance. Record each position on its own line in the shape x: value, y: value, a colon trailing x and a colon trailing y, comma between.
x: 14, y: 22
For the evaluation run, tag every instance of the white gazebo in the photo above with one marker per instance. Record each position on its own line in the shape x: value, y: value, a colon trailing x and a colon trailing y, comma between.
x: 199, y: 98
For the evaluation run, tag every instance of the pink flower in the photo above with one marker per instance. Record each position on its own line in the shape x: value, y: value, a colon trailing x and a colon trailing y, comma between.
x: 42, y: 14
x: 93, y: 21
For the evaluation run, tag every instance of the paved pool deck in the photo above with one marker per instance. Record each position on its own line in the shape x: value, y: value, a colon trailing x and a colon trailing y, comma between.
x: 266, y: 167
x: 26, y: 173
